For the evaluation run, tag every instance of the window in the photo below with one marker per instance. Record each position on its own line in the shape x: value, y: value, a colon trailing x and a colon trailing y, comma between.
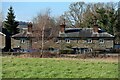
x: 90, y: 50
x: 57, y: 41
x: 67, y: 41
x: 101, y: 40
x: 89, y: 40
x: 22, y: 41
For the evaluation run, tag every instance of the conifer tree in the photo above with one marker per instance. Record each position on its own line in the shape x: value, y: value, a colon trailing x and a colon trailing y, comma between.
x: 10, y: 24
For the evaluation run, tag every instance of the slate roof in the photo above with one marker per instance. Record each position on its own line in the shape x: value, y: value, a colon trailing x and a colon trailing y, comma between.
x: 23, y: 34
x: 84, y: 33
x: 33, y: 34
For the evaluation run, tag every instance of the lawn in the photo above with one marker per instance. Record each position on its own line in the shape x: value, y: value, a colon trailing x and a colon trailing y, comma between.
x: 57, y: 68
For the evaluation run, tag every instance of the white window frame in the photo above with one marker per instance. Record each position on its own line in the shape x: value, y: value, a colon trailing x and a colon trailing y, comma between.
x: 101, y: 40
x: 22, y: 41
x: 90, y: 50
x: 89, y: 40
x: 67, y: 40
x: 58, y: 41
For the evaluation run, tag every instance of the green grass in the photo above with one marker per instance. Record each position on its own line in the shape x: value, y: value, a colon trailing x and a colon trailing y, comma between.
x: 57, y: 68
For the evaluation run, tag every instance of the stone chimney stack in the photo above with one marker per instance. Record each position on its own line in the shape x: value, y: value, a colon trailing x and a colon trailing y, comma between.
x: 29, y: 27
x: 95, y: 28
x: 62, y: 27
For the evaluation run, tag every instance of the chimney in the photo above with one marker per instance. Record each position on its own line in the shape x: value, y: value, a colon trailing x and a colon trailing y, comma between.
x: 29, y: 27
x: 62, y: 27
x: 95, y: 28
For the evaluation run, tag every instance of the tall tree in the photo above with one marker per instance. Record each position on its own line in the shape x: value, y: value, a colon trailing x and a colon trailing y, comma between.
x: 82, y: 14
x: 10, y: 23
x: 75, y: 14
x: 50, y: 23
x: 107, y: 17
x: 44, y: 29
x: 117, y: 28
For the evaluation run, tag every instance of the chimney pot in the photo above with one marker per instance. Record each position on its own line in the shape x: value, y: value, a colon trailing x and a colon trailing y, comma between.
x: 29, y: 27
x: 62, y: 27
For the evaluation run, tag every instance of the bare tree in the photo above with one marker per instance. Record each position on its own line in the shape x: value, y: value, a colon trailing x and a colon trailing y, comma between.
x: 40, y: 23
x: 75, y: 14
x: 44, y: 28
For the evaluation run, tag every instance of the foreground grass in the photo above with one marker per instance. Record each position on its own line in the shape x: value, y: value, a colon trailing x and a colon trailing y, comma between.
x: 57, y: 68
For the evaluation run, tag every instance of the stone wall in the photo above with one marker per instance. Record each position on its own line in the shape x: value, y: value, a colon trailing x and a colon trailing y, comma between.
x: 16, y: 43
x: 2, y: 41
x: 84, y: 44
x: 63, y: 44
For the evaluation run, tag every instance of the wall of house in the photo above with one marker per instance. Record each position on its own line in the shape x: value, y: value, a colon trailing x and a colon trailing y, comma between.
x: 2, y: 41
x: 84, y: 44
x: 47, y: 44
x: 17, y: 43
x: 62, y: 44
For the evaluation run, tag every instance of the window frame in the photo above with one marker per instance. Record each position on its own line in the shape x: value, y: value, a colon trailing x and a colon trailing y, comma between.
x: 22, y: 41
x: 89, y: 41
x: 67, y: 40
x: 58, y: 41
x: 101, y: 40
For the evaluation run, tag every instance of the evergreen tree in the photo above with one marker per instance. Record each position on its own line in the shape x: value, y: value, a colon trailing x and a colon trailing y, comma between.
x: 10, y: 24
x: 117, y: 28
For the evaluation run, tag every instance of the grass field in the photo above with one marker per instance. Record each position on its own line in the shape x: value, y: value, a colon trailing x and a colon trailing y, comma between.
x: 57, y: 68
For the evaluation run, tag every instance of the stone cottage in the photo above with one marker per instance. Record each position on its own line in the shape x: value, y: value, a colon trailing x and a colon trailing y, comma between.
x: 23, y: 39
x: 31, y: 38
x: 84, y: 39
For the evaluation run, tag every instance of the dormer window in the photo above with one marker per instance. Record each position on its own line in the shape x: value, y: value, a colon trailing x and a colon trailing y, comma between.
x: 89, y: 40
x: 67, y: 41
x: 101, y: 40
